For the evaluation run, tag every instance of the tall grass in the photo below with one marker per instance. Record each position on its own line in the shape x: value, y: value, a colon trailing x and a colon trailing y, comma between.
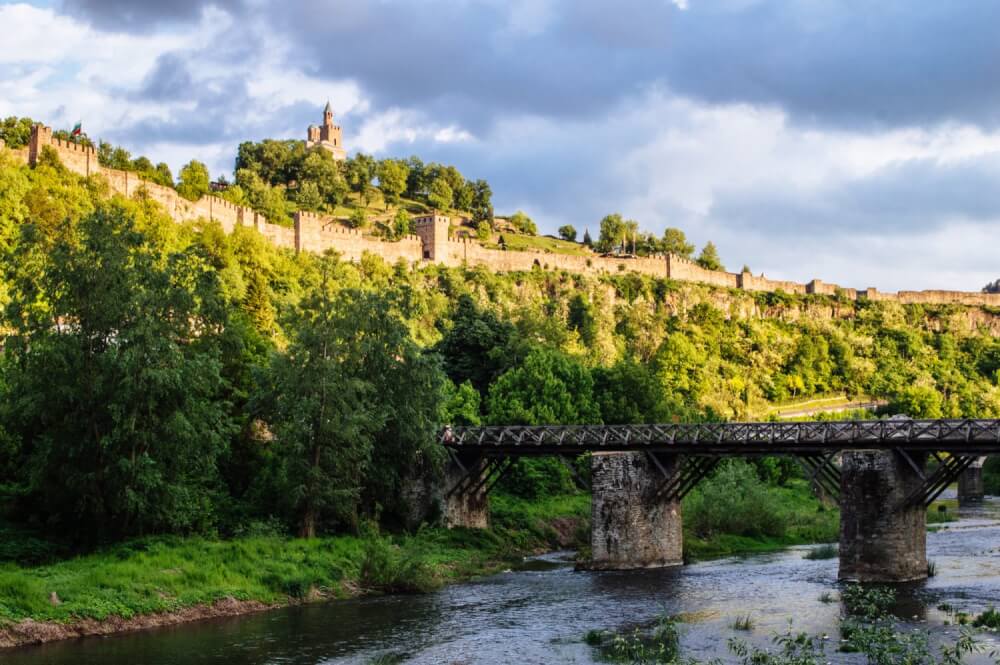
x: 827, y: 551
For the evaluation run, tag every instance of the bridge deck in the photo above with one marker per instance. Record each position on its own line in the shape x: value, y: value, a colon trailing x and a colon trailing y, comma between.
x: 978, y: 437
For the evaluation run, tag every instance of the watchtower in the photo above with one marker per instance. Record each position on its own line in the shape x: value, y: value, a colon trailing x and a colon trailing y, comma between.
x: 432, y: 229
x: 327, y: 136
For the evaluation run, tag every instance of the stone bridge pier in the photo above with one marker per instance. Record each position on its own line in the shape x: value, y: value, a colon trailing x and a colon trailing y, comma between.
x: 631, y: 526
x: 970, y: 483
x: 466, y: 496
x: 883, y: 538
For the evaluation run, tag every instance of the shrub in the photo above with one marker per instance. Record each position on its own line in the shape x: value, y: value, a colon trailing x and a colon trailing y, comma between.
x: 734, y: 501
x: 385, y: 567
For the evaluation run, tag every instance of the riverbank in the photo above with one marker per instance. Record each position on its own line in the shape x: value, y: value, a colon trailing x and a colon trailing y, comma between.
x: 169, y: 580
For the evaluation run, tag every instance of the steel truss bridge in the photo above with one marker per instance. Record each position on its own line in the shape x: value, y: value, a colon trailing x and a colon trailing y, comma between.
x: 485, y: 454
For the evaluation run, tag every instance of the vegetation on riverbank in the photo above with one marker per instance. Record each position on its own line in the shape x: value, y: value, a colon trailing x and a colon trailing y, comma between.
x: 168, y: 573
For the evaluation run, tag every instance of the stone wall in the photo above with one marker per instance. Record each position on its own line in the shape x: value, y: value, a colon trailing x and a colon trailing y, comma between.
x: 316, y: 233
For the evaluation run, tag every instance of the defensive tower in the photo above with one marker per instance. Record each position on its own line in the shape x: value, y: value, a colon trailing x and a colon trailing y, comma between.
x: 328, y: 136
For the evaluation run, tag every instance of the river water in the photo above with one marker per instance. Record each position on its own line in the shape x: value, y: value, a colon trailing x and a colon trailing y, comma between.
x: 540, y: 612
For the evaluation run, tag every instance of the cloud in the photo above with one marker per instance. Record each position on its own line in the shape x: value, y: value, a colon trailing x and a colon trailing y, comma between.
x: 132, y: 16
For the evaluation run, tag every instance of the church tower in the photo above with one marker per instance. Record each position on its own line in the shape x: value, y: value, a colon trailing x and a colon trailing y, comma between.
x: 327, y: 136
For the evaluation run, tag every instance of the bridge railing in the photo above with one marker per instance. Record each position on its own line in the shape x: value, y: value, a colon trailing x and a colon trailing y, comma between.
x: 960, y: 435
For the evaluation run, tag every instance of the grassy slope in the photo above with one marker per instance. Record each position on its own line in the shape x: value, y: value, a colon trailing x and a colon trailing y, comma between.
x: 520, y: 242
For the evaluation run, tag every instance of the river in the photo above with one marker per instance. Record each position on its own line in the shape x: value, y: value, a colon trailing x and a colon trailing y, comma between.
x: 540, y: 612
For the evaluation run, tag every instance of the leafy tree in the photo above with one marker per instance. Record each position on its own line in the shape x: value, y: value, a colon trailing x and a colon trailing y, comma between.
x: 992, y: 287
x: 548, y: 388
x: 440, y: 195
x: 320, y: 169
x: 358, y: 219
x: 482, y: 202
x: 709, y: 257
x: 392, y: 174
x: 629, y: 392
x: 918, y: 402
x: 567, y: 232
x: 523, y: 224
x: 587, y: 241
x: 463, y: 197
x: 401, y: 224
x: 461, y: 404
x: 16, y: 132
x: 193, y: 180
x: 613, y: 230
x: 308, y: 197
x: 474, y: 348
x: 360, y: 171
x: 483, y: 231
x: 675, y: 242
x: 114, y: 378
x: 416, y: 178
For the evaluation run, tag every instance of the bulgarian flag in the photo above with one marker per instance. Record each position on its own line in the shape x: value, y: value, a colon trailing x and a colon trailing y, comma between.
x: 77, y: 129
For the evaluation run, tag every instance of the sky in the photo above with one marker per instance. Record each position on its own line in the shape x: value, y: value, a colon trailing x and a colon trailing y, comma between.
x: 854, y: 142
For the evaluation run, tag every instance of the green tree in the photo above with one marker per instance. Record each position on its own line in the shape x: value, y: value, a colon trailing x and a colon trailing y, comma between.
x: 482, y: 202
x: 523, y: 224
x: 193, y: 181
x: 117, y: 379
x: 483, y: 231
x: 360, y: 171
x: 358, y: 219
x: 321, y: 169
x: 401, y: 224
x: 567, y: 232
x: 629, y: 392
x: 613, y: 230
x: 463, y: 197
x: 440, y: 195
x: 548, y: 388
x: 709, y: 257
x: 675, y: 242
x: 474, y: 347
x: 307, y: 197
x: 392, y: 174
x: 16, y: 132
x: 586, y: 238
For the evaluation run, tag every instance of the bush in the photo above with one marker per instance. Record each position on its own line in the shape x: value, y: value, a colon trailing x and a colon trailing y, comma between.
x: 385, y: 567
x: 734, y: 501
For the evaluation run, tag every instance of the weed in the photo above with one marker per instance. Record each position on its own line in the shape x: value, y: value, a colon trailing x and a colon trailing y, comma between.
x: 743, y: 622
x: 988, y: 619
x: 826, y: 597
x: 931, y: 569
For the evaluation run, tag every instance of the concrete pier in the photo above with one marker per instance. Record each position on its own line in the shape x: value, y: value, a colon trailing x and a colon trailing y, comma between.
x: 970, y: 483
x: 464, y: 507
x: 630, y: 526
x: 881, y: 540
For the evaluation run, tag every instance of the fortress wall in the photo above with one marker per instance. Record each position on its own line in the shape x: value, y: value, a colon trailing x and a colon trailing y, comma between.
x: 20, y: 154
x: 748, y: 282
x: 686, y: 270
x: 316, y: 233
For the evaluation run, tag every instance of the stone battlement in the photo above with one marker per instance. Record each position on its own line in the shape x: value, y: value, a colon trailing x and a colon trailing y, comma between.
x: 313, y: 232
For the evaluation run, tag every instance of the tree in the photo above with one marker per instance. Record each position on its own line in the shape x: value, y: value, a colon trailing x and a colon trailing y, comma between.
x: 193, y: 181
x: 474, y: 348
x: 354, y: 406
x: 675, y: 242
x: 567, y: 232
x: 16, y: 132
x: 482, y: 202
x: 392, y: 174
x: 116, y: 374
x: 548, y: 388
x: 401, y: 224
x: 416, y: 178
x: 587, y: 241
x: 992, y: 287
x: 440, y: 194
x: 308, y: 197
x: 523, y: 224
x: 360, y: 171
x: 358, y: 219
x: 320, y: 169
x: 483, y: 231
x: 628, y: 392
x: 709, y: 257
x: 463, y: 197
x: 613, y: 229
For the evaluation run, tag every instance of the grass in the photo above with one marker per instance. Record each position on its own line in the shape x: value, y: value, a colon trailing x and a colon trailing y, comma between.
x: 988, y: 619
x: 162, y: 574
x: 931, y: 569
x: 942, y: 511
x: 743, y: 622
x: 827, y: 551
x: 826, y: 597
x: 518, y: 242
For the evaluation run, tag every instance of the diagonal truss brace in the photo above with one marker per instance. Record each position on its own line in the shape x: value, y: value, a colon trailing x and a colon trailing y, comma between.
x: 948, y: 471
x: 824, y: 475
x: 678, y: 485
x: 480, y: 476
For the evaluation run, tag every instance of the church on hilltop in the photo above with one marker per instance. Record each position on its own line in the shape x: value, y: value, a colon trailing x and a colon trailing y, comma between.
x: 328, y: 136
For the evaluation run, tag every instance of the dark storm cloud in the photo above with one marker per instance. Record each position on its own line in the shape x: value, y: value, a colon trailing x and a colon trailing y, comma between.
x: 858, y: 64
x: 914, y: 196
x: 141, y: 15
x: 169, y: 80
